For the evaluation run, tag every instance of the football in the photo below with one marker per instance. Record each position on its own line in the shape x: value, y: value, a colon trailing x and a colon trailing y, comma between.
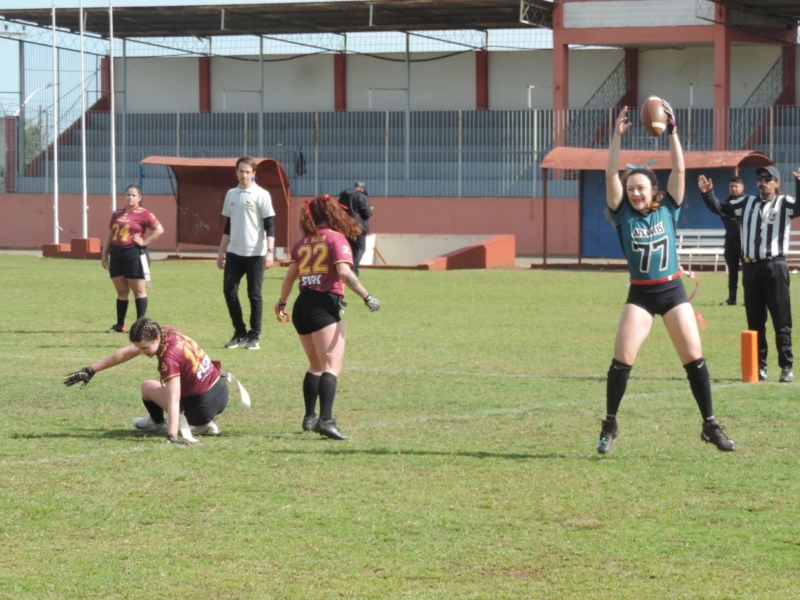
x: 654, y: 119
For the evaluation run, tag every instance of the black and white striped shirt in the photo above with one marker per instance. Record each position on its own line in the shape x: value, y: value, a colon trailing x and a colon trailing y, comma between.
x: 765, y: 224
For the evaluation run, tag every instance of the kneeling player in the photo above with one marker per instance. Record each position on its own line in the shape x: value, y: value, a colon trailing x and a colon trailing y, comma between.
x: 191, y: 383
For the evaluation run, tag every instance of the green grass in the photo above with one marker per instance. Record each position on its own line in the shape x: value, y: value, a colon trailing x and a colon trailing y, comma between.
x: 473, y: 401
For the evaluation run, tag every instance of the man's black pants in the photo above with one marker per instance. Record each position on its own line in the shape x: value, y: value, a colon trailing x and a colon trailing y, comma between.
x: 237, y: 267
x: 358, y: 246
x: 733, y: 258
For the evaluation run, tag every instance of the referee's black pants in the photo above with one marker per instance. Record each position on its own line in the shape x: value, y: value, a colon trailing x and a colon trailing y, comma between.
x: 766, y: 288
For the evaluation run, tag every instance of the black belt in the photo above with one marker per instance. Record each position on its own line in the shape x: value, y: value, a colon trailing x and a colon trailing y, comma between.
x: 748, y: 260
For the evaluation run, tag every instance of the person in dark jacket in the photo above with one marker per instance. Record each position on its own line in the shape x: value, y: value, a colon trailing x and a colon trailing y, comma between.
x: 355, y: 201
x: 733, y: 242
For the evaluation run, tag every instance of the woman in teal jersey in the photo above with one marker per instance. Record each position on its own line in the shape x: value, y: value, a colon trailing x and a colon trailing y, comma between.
x: 645, y: 219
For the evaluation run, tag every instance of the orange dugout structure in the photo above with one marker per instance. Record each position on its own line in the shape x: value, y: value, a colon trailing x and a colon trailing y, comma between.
x: 201, y: 185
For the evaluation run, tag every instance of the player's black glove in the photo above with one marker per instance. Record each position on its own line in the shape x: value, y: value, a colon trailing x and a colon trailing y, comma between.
x: 372, y: 303
x: 672, y: 125
x: 84, y: 375
x: 174, y: 440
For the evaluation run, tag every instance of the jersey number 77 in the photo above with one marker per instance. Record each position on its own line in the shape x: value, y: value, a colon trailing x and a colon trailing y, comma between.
x: 647, y: 251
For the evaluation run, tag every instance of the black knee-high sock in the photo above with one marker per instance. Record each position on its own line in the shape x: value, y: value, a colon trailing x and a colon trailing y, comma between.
x: 310, y: 392
x: 154, y: 410
x: 327, y: 393
x: 697, y: 372
x: 141, y: 307
x: 122, y: 309
x: 616, y: 383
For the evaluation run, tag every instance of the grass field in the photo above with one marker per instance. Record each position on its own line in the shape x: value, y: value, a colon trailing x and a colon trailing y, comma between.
x: 473, y: 401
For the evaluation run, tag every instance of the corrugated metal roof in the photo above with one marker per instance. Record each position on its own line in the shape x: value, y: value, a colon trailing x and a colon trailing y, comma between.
x: 287, y: 17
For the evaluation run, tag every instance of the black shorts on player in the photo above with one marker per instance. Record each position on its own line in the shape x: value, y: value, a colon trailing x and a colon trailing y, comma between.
x: 660, y: 298
x: 125, y: 261
x: 313, y: 311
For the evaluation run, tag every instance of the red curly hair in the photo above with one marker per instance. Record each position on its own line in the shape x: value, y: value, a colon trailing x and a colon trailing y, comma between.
x: 324, y: 210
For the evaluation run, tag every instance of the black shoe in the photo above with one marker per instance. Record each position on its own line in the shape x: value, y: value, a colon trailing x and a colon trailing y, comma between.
x: 607, y: 435
x: 329, y: 429
x: 236, y: 341
x: 116, y: 329
x: 713, y: 434
x: 309, y: 422
x: 728, y: 302
x: 762, y: 373
x: 786, y: 375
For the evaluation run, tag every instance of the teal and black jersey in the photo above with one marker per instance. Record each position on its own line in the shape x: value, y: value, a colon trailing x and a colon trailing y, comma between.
x: 648, y: 241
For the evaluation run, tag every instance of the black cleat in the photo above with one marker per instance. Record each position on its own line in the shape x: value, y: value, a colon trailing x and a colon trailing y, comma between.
x: 713, y: 434
x: 237, y: 340
x: 728, y: 302
x: 786, y: 375
x: 329, y: 429
x: 116, y: 329
x: 309, y: 422
x: 762, y: 373
x: 608, y: 434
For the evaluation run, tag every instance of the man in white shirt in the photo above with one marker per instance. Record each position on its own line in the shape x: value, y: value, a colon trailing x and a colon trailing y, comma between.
x: 247, y: 248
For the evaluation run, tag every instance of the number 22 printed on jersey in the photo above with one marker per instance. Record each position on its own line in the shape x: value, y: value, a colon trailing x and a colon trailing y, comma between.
x: 316, y: 254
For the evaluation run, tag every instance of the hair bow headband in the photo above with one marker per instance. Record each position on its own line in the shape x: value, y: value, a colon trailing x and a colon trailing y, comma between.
x: 645, y: 166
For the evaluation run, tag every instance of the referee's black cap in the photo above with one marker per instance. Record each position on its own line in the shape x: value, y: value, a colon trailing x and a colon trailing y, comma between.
x: 771, y: 171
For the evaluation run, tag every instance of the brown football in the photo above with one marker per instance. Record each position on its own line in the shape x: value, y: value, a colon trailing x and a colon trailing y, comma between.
x: 654, y: 119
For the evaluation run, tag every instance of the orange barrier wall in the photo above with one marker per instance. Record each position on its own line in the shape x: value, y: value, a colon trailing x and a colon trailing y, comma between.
x: 520, y: 217
x: 496, y: 251
x: 28, y: 220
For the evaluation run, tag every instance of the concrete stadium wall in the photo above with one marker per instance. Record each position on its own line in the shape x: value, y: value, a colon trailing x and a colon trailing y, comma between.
x: 158, y: 85
x: 306, y: 83
x: 442, y: 84
x: 28, y: 220
x: 302, y: 84
x: 689, y: 66
x: 632, y: 13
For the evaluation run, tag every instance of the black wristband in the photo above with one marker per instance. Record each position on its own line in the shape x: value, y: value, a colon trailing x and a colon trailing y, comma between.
x: 368, y: 298
x: 281, y: 304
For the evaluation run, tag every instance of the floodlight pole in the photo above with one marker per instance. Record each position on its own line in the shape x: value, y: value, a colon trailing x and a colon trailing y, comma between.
x: 261, y: 87
x: 85, y: 199
x: 55, y: 130
x: 408, y: 107
x: 113, y: 107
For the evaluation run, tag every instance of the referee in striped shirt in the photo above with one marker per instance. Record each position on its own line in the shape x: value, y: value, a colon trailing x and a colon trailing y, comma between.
x: 765, y: 223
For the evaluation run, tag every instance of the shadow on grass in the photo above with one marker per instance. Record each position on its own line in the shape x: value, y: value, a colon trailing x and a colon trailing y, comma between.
x: 85, y: 434
x: 388, y: 452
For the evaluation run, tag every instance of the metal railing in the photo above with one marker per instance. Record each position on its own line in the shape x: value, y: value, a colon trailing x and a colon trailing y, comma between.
x: 447, y: 153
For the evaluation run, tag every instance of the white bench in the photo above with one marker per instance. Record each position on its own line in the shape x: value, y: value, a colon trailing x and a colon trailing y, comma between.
x: 705, y: 244
x: 701, y: 244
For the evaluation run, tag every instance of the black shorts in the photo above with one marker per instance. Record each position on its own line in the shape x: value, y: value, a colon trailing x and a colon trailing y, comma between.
x: 125, y: 261
x: 313, y: 311
x: 202, y: 408
x: 660, y: 298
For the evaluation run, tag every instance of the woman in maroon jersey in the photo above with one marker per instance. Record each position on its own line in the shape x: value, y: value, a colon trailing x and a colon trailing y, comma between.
x: 191, y: 383
x: 322, y: 260
x: 130, y: 231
